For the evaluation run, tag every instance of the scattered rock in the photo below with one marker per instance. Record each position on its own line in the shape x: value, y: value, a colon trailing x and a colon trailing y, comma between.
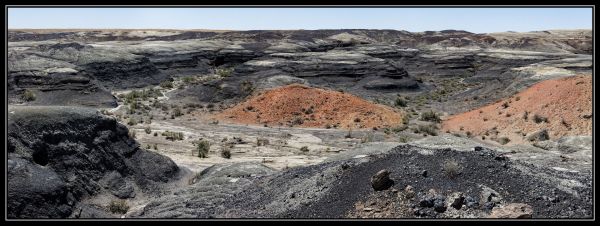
x: 513, y: 210
x: 456, y: 200
x: 381, y: 180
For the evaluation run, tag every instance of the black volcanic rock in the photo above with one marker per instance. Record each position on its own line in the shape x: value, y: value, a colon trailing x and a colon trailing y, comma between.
x: 58, y: 156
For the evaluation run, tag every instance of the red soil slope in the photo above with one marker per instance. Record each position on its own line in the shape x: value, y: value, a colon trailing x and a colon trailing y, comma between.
x: 566, y: 102
x: 298, y: 105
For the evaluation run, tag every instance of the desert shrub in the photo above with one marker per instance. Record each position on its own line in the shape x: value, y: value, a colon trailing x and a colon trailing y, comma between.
x: 224, y: 72
x: 188, y: 80
x: 357, y: 120
x: 451, y: 168
x: 261, y: 141
x: 539, y: 119
x: 132, y: 121
x: 403, y: 139
x: 155, y: 134
x: 226, y: 151
x: 430, y: 116
x: 400, y: 128
x: 304, y: 149
x: 349, y: 134
x: 505, y: 105
x: 406, y: 119
x: 297, y: 121
x: 155, y: 147
x: 503, y: 140
x: 28, y: 95
x: 525, y: 116
x: 177, y: 112
x: 368, y: 137
x: 203, y: 147
x: 148, y: 130
x: 118, y: 206
x: 400, y: 102
x: 172, y: 136
x: 247, y: 86
x: 166, y: 84
x: 517, y: 98
x: 429, y: 129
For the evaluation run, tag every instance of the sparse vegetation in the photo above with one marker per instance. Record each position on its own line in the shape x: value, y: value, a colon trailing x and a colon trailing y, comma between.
x: 166, y: 84
x: 177, y: 112
x: 118, y: 206
x: 368, y: 137
x: 224, y: 72
x: 539, y: 119
x: 429, y: 129
x: 403, y: 139
x: 304, y: 149
x: 226, y: 151
x: 28, y: 95
x: 261, y: 141
x: 132, y: 121
x: 400, y: 102
x: 202, y: 148
x: 430, y: 116
x: 172, y: 136
x: 148, y: 130
x: 503, y: 140
x: 452, y: 168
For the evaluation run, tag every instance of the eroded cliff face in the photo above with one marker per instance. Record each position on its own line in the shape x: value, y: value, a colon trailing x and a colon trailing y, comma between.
x: 58, y: 156
x: 367, y: 63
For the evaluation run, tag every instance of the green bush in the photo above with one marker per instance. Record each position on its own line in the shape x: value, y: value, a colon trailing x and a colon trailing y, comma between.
x: 430, y: 116
x: 451, y: 168
x: 118, y: 206
x: 203, y: 147
x: 28, y: 95
x: 132, y: 121
x: 224, y: 72
x: 166, y: 84
x: 400, y: 102
x: 429, y: 129
x: 172, y: 136
x: 226, y: 151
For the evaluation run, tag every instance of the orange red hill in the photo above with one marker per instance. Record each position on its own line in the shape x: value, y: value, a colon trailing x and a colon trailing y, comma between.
x: 302, y: 106
x: 565, y: 102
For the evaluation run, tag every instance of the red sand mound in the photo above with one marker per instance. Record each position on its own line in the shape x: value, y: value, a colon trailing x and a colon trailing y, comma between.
x: 298, y: 105
x: 565, y: 102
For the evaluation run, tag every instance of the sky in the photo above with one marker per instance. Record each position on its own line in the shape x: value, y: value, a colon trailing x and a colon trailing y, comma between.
x: 478, y: 20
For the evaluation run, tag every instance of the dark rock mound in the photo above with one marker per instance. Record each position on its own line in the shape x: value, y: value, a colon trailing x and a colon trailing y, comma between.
x: 58, y: 156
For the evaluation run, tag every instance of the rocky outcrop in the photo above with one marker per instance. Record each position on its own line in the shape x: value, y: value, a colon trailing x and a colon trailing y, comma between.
x: 58, y: 156
x: 340, y: 188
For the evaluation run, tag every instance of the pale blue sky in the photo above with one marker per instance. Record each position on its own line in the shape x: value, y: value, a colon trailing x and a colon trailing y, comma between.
x: 478, y: 20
